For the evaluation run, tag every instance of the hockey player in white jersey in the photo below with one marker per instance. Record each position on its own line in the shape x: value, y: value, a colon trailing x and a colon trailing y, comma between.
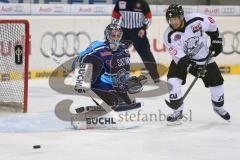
x: 186, y: 41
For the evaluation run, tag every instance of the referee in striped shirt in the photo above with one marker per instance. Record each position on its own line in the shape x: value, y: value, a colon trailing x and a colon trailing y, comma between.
x: 135, y: 18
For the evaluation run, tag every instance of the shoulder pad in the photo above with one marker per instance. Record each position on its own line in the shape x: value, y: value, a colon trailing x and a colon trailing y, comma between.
x: 97, y: 45
x: 93, y: 47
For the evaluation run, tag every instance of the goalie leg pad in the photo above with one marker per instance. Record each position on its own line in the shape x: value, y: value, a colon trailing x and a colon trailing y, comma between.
x: 111, y: 120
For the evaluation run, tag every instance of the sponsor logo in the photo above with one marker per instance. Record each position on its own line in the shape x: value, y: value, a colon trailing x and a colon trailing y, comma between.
x: 212, y: 10
x: 101, y: 120
x: 196, y: 27
x: 211, y: 20
x: 173, y: 96
x: 45, y: 9
x: 18, y: 54
x: 6, y: 9
x: 5, y: 77
x: 172, y: 50
x: 231, y: 42
x: 61, y: 44
x: 5, y: 46
x: 225, y: 69
x: 81, y: 74
x: 43, y: 74
x: 85, y: 9
x: 123, y: 61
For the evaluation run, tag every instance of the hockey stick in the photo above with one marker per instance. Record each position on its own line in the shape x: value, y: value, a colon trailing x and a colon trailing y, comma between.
x: 176, y: 104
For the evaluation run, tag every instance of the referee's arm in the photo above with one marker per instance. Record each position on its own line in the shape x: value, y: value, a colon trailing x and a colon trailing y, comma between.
x: 116, y: 14
x: 147, y: 16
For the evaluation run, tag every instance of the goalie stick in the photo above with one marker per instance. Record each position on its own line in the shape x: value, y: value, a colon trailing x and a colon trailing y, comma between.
x: 179, y: 103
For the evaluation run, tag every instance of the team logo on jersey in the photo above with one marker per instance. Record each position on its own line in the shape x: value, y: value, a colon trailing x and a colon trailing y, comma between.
x: 122, y: 4
x: 192, y: 46
x: 121, y: 79
x: 196, y: 27
x: 211, y: 20
x: 177, y: 37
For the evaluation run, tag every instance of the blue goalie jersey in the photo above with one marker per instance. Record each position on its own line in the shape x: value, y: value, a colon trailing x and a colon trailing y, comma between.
x: 111, y: 69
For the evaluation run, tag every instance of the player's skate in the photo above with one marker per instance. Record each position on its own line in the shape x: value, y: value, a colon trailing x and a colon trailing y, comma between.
x: 222, y: 113
x: 175, y: 118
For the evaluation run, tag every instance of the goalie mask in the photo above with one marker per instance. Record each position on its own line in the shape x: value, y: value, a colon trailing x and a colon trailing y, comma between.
x: 113, y: 34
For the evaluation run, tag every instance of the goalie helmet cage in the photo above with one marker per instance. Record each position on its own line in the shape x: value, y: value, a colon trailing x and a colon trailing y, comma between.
x: 14, y: 61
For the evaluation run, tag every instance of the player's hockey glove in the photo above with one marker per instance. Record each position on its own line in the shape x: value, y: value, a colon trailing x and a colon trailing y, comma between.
x: 185, y: 63
x: 216, y: 46
x: 198, y: 70
x: 135, y: 84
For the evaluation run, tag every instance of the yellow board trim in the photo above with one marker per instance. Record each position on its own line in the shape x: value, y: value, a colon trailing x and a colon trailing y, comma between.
x: 135, y: 70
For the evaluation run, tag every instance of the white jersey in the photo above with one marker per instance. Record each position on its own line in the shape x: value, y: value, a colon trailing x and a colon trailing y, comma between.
x: 191, y: 39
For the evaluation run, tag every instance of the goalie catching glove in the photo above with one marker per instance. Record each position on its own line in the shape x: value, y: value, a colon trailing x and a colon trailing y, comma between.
x: 135, y: 84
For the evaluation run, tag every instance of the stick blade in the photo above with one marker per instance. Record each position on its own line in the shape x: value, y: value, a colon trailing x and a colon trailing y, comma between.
x: 174, y: 105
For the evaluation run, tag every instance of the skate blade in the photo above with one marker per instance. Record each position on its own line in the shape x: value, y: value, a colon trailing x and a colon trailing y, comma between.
x: 176, y: 123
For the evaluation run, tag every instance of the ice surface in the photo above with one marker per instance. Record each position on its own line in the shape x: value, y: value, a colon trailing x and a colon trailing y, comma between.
x: 205, y: 136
